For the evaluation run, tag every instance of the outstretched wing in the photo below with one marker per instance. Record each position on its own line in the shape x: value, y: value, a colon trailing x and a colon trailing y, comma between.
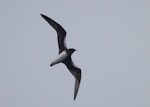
x: 76, y: 72
x: 60, y: 32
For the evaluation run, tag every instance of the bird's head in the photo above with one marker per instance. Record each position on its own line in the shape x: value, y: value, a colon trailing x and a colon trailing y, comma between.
x: 71, y: 50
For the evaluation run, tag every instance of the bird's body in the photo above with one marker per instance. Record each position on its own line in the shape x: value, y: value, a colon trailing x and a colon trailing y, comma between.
x: 60, y: 58
x: 65, y: 53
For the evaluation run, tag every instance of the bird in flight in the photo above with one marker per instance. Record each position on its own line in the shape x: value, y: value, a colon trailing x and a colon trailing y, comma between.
x: 64, y: 55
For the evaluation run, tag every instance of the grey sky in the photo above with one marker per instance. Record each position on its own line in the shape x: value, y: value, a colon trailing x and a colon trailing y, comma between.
x: 112, y: 39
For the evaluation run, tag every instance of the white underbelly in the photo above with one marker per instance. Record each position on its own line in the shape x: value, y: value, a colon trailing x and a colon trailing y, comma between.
x: 61, y: 57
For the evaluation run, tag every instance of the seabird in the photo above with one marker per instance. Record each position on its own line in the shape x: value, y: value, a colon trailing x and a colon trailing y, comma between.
x: 65, y: 53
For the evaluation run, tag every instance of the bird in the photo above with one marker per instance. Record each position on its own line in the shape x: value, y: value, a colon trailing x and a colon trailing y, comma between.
x: 64, y: 55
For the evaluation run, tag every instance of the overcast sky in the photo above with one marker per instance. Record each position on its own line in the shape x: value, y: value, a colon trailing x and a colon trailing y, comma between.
x: 112, y: 39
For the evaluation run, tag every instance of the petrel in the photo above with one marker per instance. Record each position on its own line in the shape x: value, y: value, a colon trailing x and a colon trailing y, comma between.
x: 64, y: 55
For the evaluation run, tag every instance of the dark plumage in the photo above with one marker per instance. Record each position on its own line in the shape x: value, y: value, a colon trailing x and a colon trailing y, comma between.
x: 65, y: 53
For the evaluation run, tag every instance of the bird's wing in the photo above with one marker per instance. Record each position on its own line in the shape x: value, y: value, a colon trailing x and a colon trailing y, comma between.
x: 60, y: 32
x: 76, y: 72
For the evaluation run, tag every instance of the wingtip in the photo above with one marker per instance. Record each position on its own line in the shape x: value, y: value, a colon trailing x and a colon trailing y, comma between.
x: 42, y: 15
x: 74, y: 98
x: 45, y: 17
